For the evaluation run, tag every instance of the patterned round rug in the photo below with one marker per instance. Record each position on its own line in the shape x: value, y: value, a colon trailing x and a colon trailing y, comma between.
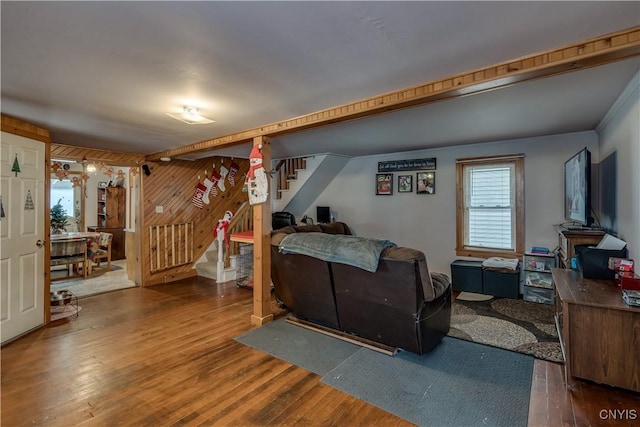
x: 517, y: 325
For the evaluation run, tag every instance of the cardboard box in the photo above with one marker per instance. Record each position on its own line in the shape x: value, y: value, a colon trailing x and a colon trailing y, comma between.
x: 629, y: 281
x: 621, y: 264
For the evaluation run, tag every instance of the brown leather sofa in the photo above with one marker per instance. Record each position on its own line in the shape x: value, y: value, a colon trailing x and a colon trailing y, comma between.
x: 400, y: 305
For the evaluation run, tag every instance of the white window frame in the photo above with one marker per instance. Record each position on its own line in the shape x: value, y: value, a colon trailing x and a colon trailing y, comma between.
x: 516, y: 162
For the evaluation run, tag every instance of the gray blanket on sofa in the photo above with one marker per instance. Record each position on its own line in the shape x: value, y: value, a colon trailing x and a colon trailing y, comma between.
x: 359, y: 252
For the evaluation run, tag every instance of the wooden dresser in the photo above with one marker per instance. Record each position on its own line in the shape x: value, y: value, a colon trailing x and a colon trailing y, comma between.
x: 599, y: 333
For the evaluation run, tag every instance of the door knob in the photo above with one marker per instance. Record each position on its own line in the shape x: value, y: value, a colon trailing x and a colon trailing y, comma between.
x: 40, y: 243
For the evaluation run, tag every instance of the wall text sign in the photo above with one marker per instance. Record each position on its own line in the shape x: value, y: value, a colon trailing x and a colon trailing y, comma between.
x: 407, y: 165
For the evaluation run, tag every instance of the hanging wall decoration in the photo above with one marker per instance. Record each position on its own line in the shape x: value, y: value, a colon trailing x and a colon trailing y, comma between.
x: 223, y: 175
x: 221, y: 232
x: 28, y: 204
x: 256, y: 182
x: 2, y: 215
x: 215, y: 179
x: 198, y: 194
x: 208, y: 185
x: 233, y: 171
x: 16, y: 166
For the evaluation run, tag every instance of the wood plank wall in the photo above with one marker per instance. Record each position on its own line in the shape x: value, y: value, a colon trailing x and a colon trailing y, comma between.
x: 112, y: 158
x: 172, y: 185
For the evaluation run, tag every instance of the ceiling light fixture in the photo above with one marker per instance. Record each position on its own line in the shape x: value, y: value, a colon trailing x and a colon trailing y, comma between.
x: 165, y: 159
x: 191, y: 116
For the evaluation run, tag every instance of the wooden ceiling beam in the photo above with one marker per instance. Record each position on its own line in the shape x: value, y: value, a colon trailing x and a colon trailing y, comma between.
x: 591, y: 53
x: 22, y: 128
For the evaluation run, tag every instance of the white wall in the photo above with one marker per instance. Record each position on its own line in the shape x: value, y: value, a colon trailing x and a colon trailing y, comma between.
x: 620, y: 132
x: 428, y: 222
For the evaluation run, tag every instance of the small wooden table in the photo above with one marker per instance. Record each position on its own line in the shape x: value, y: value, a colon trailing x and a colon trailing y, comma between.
x: 599, y: 333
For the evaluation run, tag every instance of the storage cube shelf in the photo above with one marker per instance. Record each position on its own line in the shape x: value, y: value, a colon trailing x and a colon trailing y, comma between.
x: 466, y: 276
x: 469, y: 276
x: 538, y: 281
x: 539, y: 295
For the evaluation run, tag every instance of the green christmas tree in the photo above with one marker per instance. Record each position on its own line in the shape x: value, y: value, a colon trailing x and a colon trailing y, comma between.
x: 58, y: 217
x: 16, y: 166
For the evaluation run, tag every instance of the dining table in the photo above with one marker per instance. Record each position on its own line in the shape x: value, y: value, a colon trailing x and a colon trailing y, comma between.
x: 74, y: 248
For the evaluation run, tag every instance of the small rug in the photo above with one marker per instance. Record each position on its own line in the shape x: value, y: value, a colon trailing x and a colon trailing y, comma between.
x: 112, y: 280
x: 470, y: 296
x: 310, y: 350
x: 517, y: 325
x: 459, y: 383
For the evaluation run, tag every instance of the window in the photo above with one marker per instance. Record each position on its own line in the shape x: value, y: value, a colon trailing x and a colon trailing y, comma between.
x: 490, y: 206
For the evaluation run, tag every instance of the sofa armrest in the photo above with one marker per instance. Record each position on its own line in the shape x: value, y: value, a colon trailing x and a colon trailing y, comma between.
x: 440, y: 283
x: 413, y: 255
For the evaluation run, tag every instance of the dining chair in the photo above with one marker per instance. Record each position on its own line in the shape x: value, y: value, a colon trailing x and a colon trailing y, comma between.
x: 103, y: 252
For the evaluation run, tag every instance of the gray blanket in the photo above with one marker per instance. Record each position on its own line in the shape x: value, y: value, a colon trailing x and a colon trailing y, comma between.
x: 359, y: 252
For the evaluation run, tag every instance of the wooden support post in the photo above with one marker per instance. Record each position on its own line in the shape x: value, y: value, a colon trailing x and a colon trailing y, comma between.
x: 262, y: 247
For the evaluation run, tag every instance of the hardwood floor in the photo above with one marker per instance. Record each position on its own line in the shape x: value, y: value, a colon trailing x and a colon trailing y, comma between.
x: 165, y: 356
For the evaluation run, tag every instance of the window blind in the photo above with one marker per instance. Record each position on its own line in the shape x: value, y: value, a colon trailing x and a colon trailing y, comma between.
x: 490, y: 206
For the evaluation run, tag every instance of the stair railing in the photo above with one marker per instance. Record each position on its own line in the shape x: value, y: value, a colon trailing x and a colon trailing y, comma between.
x: 287, y: 169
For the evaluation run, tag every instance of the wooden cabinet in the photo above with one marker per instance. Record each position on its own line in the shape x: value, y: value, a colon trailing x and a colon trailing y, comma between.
x: 111, y: 207
x: 112, y: 218
x: 568, y: 239
x: 117, y: 242
x: 598, y: 331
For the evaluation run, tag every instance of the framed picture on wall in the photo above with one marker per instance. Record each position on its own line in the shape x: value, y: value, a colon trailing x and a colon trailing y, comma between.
x: 405, y: 183
x: 384, y: 184
x: 426, y: 183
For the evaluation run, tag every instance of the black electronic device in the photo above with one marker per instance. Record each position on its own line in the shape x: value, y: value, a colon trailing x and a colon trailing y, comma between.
x: 323, y: 214
x: 577, y: 189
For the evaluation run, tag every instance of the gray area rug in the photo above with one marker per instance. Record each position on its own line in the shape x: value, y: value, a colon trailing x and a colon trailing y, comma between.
x: 516, y: 325
x: 113, y: 280
x: 459, y: 383
x: 310, y: 350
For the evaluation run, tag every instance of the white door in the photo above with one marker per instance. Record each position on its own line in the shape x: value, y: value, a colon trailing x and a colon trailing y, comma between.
x: 21, y: 227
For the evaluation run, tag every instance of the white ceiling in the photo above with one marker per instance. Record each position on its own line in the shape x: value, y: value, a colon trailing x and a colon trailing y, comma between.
x: 104, y: 74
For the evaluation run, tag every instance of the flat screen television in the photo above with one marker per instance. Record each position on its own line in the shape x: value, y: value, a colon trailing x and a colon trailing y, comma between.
x: 577, y: 189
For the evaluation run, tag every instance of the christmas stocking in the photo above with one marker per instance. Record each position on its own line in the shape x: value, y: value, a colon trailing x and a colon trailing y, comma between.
x: 197, y: 195
x: 223, y: 175
x: 215, y: 179
x: 234, y: 168
x: 208, y: 184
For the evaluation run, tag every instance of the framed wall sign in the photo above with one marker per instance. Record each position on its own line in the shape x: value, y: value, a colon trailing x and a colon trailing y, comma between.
x: 384, y: 184
x: 426, y: 183
x: 405, y: 183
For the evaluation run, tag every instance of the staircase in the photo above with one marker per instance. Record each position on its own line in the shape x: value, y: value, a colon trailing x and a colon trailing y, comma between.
x: 300, y: 181
x: 222, y: 266
x: 208, y: 266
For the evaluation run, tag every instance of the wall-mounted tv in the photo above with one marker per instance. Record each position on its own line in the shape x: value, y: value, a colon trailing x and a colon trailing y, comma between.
x: 577, y: 189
